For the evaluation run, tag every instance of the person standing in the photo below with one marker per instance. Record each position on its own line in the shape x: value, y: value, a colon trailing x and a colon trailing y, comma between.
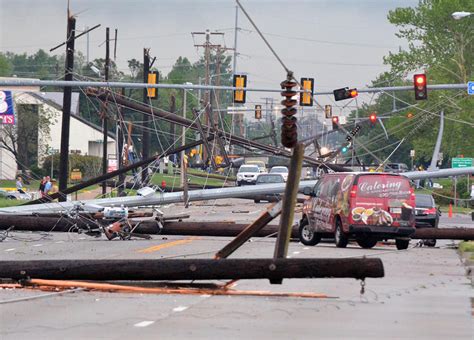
x: 47, y: 186
x: 41, y: 186
x: 19, y: 185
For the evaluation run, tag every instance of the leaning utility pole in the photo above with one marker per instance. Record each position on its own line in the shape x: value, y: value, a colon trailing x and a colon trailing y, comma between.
x: 66, y: 117
x: 104, y: 112
x: 146, y: 117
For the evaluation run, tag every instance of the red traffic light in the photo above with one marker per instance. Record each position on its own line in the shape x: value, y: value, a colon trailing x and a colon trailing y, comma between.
x: 353, y: 93
x: 420, y: 79
x: 421, y: 91
x: 373, y: 117
x: 335, y: 122
x: 335, y: 119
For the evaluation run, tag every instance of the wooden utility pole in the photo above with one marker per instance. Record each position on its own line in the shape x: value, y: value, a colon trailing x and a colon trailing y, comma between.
x: 66, y: 117
x: 146, y: 117
x: 104, y: 112
x: 120, y: 137
x: 207, y: 100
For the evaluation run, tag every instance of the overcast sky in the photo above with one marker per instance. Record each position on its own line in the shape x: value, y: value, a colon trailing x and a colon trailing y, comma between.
x: 340, y: 42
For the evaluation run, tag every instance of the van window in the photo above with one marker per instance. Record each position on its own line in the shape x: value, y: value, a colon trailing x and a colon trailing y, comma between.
x: 326, y: 187
x: 383, y: 186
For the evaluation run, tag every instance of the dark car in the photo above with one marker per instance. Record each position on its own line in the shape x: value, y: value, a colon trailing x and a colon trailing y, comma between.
x: 426, y: 214
x: 268, y: 179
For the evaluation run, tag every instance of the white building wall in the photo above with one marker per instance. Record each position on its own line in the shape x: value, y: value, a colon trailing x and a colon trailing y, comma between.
x: 80, y: 136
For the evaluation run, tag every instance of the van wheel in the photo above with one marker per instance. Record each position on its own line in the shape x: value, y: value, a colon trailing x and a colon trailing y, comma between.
x: 367, y: 243
x: 402, y: 244
x: 307, y: 236
x: 340, y: 238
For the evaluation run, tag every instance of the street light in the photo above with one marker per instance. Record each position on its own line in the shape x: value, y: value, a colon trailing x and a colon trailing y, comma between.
x: 460, y: 15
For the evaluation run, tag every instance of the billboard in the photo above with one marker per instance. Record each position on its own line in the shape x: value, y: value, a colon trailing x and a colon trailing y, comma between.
x: 7, y: 113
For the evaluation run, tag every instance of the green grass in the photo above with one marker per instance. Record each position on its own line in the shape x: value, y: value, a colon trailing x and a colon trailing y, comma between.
x: 9, y: 203
x: 174, y: 180
x: 466, y: 246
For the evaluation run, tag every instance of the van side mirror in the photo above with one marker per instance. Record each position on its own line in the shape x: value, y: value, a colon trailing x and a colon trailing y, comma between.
x: 308, y: 191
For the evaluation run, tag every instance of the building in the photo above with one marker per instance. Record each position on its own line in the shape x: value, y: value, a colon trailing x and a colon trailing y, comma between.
x: 34, y: 142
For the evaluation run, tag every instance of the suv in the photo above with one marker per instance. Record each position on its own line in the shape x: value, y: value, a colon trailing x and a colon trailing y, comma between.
x: 367, y: 207
x: 247, y: 174
x: 282, y: 170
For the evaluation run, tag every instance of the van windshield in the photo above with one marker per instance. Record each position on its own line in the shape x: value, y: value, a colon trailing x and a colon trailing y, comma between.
x: 382, y: 186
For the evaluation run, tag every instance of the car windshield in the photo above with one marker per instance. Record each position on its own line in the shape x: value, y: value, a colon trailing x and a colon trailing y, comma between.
x: 270, y: 179
x: 279, y: 170
x: 249, y: 168
x: 424, y: 201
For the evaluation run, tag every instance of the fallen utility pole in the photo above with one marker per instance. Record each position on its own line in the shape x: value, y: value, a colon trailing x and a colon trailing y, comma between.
x: 102, y: 95
x: 55, y: 223
x: 192, y: 269
x: 112, y: 174
x: 444, y: 234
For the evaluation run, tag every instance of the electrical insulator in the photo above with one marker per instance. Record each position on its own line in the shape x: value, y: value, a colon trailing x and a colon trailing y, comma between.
x: 289, y: 134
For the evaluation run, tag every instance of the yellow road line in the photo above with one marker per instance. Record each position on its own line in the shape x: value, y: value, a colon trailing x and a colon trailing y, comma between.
x: 166, y: 245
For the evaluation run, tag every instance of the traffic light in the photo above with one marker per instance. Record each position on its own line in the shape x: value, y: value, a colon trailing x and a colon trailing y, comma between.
x: 152, y: 92
x: 345, y: 93
x: 306, y: 98
x: 421, y: 92
x: 344, y: 149
x: 373, y: 118
x: 240, y: 80
x: 328, y: 111
x: 258, y: 111
x: 335, y: 123
x: 409, y: 115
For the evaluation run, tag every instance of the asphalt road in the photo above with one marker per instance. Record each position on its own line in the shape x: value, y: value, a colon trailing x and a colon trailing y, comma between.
x: 424, y: 294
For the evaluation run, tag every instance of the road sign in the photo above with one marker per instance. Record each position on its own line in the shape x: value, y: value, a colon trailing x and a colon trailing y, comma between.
x: 112, y: 165
x: 412, y: 153
x: 7, y: 113
x: 461, y: 162
x: 76, y: 175
x: 470, y: 87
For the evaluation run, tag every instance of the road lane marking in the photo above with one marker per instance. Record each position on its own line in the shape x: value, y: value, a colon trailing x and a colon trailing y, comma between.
x: 37, y: 245
x: 296, y: 252
x: 306, y: 248
x: 180, y: 309
x: 11, y: 249
x: 59, y: 242
x: 166, y: 245
x: 144, y: 323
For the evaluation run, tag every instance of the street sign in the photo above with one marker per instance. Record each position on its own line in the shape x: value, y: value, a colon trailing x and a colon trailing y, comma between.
x: 470, y: 87
x: 412, y: 153
x: 7, y: 113
x: 112, y: 165
x: 461, y: 162
x: 76, y: 175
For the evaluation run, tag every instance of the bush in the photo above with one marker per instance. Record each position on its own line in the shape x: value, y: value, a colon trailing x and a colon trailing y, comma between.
x: 90, y: 166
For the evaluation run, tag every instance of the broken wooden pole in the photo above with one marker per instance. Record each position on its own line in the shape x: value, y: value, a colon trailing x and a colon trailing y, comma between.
x: 444, y: 233
x: 250, y: 231
x: 192, y: 269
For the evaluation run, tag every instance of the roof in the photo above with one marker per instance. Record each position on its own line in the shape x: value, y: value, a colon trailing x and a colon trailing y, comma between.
x: 55, y: 99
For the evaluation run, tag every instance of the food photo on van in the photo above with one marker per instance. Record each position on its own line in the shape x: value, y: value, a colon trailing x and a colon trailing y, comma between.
x: 365, y: 207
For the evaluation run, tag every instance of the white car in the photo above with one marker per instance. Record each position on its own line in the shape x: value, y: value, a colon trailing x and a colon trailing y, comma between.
x: 247, y: 174
x: 282, y: 170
